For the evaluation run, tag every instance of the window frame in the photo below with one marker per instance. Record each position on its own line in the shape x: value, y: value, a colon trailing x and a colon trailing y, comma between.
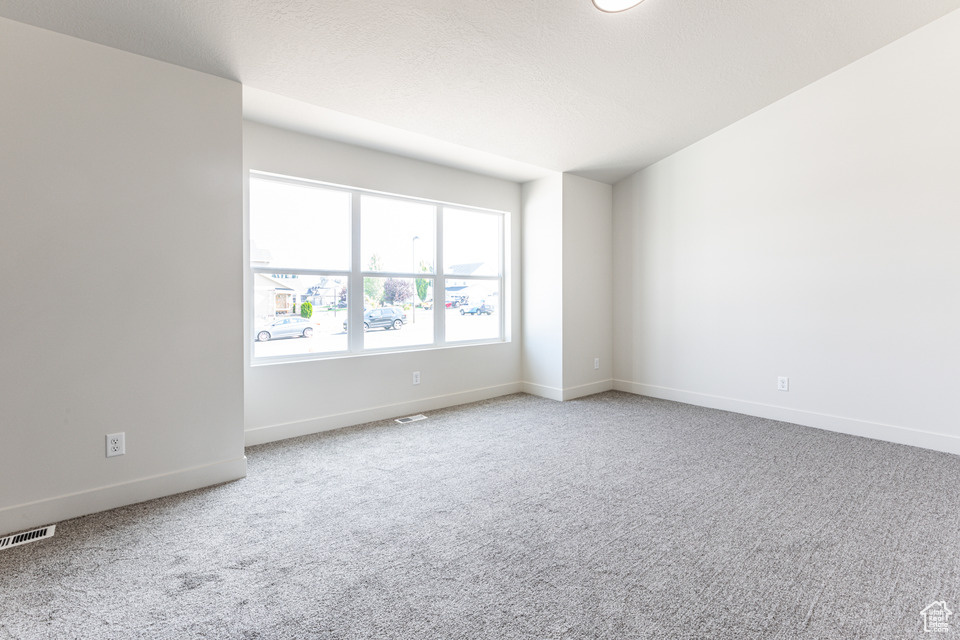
x: 355, y: 277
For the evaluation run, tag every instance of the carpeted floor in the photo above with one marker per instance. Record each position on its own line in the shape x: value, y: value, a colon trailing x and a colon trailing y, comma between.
x: 613, y: 516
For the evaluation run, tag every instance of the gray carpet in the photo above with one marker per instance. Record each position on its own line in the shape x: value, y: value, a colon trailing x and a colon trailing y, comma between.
x: 612, y: 516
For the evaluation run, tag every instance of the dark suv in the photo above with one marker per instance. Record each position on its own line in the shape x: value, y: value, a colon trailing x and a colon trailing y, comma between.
x: 386, y: 317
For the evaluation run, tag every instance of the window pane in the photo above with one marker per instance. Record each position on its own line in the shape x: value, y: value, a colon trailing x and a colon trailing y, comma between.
x: 280, y: 304
x: 472, y: 310
x: 471, y: 243
x: 397, y: 235
x: 389, y: 316
x: 298, y: 226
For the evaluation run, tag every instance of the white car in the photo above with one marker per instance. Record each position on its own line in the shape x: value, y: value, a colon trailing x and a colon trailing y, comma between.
x: 292, y: 327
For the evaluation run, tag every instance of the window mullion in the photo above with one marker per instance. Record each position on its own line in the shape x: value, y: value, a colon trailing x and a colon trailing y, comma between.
x: 439, y: 287
x: 355, y: 290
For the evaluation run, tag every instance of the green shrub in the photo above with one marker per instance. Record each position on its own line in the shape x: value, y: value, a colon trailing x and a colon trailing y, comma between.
x: 306, y: 309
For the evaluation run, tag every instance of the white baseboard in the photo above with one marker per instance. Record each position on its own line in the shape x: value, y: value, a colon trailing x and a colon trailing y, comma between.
x: 271, y: 433
x: 543, y: 391
x: 852, y: 426
x: 81, y: 503
x: 569, y: 393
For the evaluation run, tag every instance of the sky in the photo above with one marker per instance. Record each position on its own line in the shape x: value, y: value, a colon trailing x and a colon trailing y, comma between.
x: 304, y: 226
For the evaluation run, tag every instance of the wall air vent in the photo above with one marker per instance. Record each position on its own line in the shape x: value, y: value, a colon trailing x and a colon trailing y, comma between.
x: 27, y: 536
x: 419, y: 416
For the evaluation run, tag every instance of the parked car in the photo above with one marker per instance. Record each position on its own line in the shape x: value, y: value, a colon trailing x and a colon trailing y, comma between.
x: 285, y: 328
x: 483, y: 309
x: 385, y: 317
x: 456, y: 301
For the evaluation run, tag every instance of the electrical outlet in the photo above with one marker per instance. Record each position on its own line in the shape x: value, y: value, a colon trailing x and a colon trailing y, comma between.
x: 596, y: 363
x: 416, y: 377
x: 783, y: 384
x: 116, y: 445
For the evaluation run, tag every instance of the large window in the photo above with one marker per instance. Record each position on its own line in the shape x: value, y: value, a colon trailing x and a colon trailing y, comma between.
x: 337, y: 271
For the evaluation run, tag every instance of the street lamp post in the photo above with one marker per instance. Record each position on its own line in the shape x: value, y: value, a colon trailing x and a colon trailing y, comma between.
x: 413, y: 269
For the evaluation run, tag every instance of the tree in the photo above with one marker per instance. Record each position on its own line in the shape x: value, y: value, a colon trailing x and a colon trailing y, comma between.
x: 373, y: 287
x: 306, y: 309
x: 397, y: 291
x: 423, y: 285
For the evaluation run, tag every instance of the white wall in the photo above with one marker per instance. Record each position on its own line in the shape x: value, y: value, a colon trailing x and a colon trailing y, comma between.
x: 567, y: 289
x: 543, y: 287
x: 290, y: 399
x: 587, y: 286
x: 120, y: 252
x: 815, y: 239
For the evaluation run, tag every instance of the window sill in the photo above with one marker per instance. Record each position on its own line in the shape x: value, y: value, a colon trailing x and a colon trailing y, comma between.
x: 344, y: 355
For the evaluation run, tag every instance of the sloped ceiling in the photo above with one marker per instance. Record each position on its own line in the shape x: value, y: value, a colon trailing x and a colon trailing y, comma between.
x: 552, y: 84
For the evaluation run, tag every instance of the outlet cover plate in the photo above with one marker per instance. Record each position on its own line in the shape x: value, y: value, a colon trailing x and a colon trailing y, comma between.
x: 116, y: 444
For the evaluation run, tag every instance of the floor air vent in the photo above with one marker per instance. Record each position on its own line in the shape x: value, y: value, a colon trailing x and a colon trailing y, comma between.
x: 27, y: 536
x: 419, y: 416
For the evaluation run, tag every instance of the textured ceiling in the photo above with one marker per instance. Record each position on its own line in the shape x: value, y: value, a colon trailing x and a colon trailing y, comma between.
x: 550, y: 83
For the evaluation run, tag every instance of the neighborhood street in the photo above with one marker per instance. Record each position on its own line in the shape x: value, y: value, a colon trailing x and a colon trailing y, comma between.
x: 329, y: 336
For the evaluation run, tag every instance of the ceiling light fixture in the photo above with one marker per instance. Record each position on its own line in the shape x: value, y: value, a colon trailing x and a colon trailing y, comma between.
x: 615, y: 6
